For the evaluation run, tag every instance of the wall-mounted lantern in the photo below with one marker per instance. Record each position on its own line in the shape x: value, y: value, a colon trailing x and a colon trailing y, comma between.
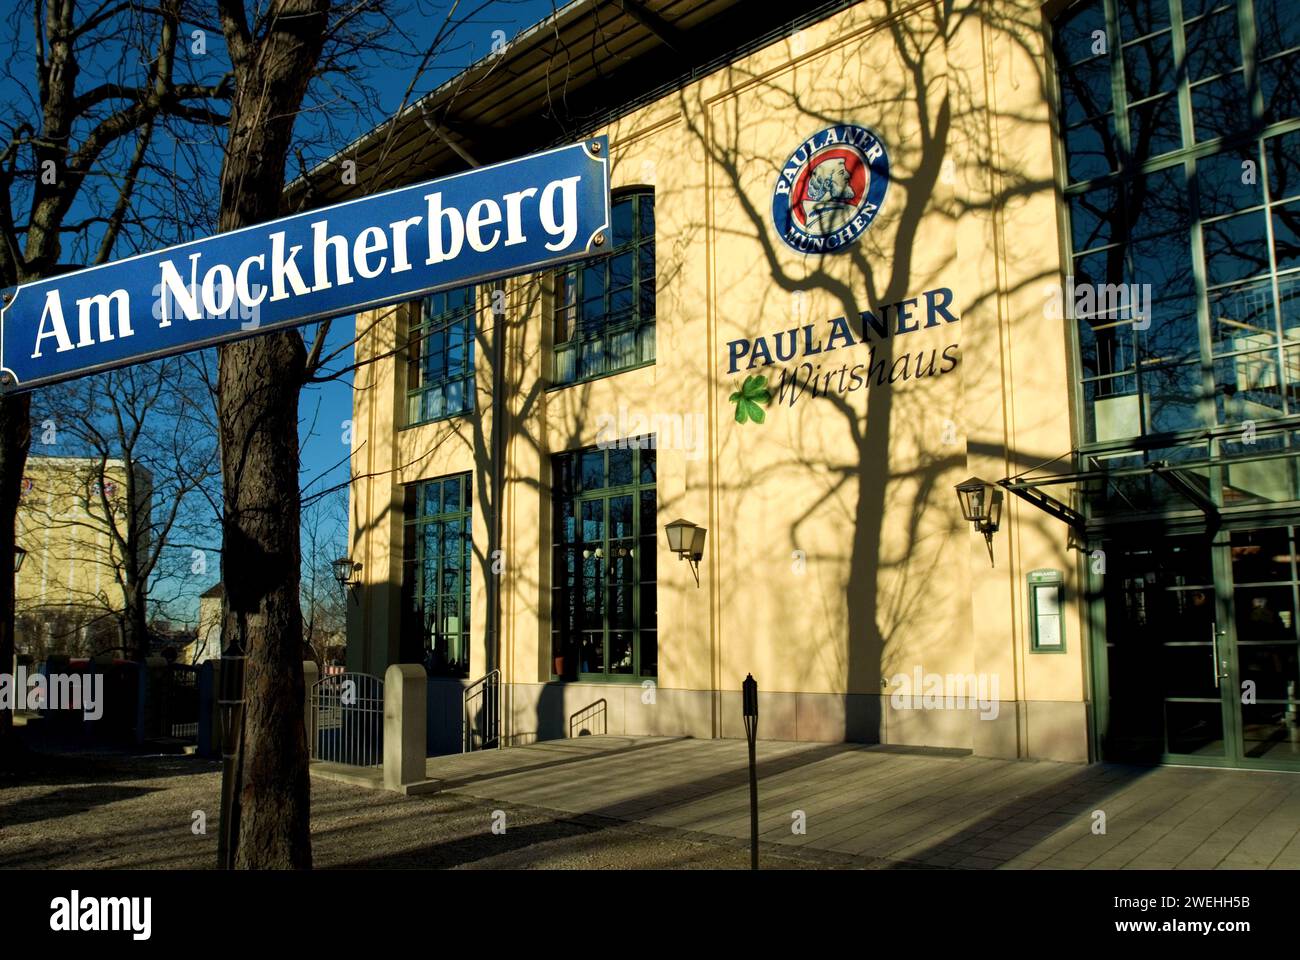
x: 687, y: 541
x: 981, y: 505
x: 19, y: 556
x: 345, y: 569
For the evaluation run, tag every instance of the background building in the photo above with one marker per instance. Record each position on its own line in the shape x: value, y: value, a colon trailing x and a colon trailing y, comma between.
x: 1079, y: 283
x: 207, y: 636
x: 68, y: 597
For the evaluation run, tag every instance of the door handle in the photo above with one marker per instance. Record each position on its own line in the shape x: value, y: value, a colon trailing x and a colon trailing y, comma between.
x: 1214, y: 641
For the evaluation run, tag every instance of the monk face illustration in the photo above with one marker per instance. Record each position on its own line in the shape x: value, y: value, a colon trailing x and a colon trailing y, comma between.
x: 830, y: 190
x: 828, y: 202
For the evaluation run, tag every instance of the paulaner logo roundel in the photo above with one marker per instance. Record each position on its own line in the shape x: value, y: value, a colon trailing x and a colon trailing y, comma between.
x: 831, y: 189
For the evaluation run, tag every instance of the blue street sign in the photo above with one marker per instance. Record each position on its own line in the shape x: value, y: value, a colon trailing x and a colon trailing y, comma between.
x: 486, y: 223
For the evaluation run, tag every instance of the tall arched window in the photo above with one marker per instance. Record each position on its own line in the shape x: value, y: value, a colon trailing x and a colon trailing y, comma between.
x: 440, y: 358
x: 604, y: 308
x: 437, y: 559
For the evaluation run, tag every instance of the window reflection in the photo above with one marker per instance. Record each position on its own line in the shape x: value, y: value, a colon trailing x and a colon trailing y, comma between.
x: 1280, y: 87
x: 1242, y: 317
x: 437, y: 548
x: 1276, y: 25
x: 1172, y: 333
x: 604, y: 309
x: 440, y: 358
x: 1235, y: 247
x: 1286, y: 235
x: 1212, y: 44
x: 1224, y: 184
x: 603, y: 607
x: 1211, y: 239
x: 1137, y: 17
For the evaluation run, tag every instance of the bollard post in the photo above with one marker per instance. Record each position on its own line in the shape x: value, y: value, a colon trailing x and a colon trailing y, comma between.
x: 310, y: 675
x: 750, y: 699
x: 406, y: 688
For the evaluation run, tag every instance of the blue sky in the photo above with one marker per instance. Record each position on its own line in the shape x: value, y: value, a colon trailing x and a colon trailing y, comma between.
x: 324, y: 408
x: 328, y: 124
x: 323, y: 411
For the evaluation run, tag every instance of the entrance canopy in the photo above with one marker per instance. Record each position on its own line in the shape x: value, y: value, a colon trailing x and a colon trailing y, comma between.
x: 1244, y: 467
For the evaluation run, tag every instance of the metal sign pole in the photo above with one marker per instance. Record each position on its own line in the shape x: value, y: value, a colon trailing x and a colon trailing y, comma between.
x: 230, y: 701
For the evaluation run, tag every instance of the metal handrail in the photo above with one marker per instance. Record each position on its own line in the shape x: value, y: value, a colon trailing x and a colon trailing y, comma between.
x: 490, y: 681
x: 598, y: 708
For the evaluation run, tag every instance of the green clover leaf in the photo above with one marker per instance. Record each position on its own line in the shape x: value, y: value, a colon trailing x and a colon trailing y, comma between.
x: 750, y: 399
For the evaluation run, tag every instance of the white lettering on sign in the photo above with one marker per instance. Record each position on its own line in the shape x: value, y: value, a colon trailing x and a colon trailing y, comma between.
x: 217, y: 289
x: 58, y: 329
x: 100, y: 306
x: 565, y: 228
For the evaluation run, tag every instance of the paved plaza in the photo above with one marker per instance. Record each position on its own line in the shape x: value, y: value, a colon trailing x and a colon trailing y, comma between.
x: 625, y: 802
x: 892, y: 807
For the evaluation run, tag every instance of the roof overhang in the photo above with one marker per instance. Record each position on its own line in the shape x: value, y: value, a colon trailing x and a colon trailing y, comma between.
x: 587, y: 63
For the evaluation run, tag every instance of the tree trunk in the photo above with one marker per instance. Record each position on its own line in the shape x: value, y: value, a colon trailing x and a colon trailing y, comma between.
x: 15, y: 439
x: 258, y: 380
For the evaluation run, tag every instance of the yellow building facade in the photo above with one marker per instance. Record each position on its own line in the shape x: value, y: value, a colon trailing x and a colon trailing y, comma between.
x: 66, y: 591
x: 207, y: 635
x: 810, y: 390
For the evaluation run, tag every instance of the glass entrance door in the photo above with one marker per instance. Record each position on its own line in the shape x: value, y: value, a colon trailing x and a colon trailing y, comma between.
x: 1161, y: 617
x: 1261, y: 654
x: 1201, y: 649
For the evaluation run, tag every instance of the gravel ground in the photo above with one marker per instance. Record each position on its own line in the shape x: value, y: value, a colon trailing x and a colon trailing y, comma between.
x: 97, y: 811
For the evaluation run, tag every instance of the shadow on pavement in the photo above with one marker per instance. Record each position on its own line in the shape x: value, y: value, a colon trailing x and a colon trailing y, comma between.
x: 66, y: 802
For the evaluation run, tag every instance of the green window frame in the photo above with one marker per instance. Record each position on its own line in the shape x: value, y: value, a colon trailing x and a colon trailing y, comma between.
x: 603, y: 313
x: 604, y: 595
x: 1180, y: 160
x: 440, y: 358
x: 437, y: 554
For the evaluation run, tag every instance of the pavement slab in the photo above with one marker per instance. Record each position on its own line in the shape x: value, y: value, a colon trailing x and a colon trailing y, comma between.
x: 625, y: 802
x: 877, y: 804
